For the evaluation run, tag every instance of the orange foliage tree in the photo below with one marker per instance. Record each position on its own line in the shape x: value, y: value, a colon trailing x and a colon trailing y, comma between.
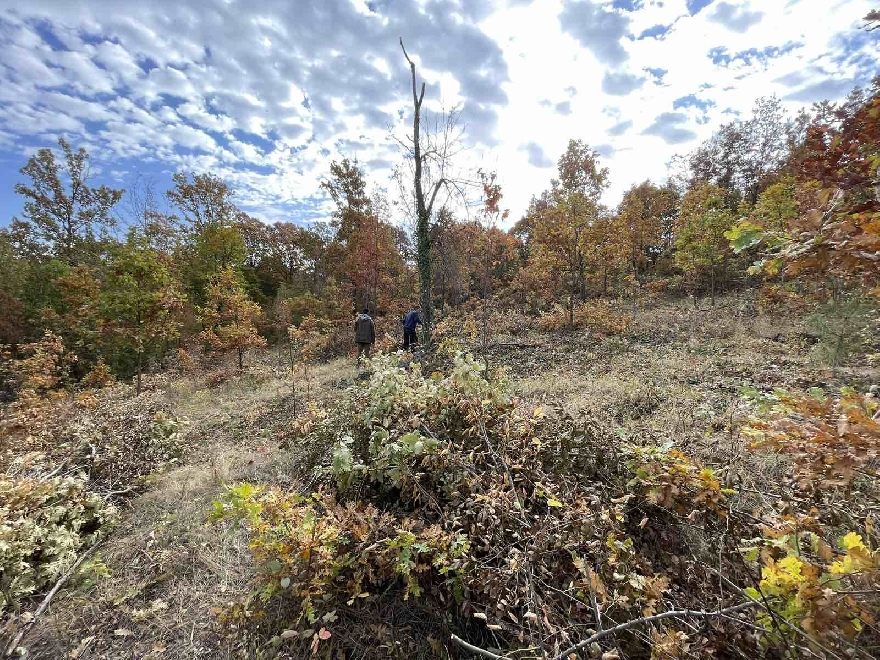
x: 834, y: 227
x: 229, y: 315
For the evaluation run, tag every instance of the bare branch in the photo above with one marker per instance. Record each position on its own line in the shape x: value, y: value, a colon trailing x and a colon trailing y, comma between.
x: 651, y: 619
x: 437, y: 187
x: 616, y: 629
x: 477, y: 650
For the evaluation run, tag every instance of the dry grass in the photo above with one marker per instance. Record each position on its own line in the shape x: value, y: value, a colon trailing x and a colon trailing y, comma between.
x: 170, y: 571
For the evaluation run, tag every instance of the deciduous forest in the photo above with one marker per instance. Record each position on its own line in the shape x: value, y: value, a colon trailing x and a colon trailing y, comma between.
x: 647, y: 431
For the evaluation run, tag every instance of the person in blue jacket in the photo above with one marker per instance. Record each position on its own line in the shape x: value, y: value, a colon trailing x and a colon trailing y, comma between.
x: 410, y: 321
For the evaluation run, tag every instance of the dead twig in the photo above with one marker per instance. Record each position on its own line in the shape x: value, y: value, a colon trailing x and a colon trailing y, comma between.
x: 617, y: 629
x: 651, y: 619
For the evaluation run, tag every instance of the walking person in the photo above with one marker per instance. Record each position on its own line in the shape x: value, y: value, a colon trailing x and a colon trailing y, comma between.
x: 364, y: 334
x: 410, y: 321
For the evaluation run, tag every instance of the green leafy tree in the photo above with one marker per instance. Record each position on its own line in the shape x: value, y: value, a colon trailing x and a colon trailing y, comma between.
x: 140, y: 300
x: 68, y: 215
x: 14, y: 272
x: 229, y: 315
x: 73, y: 311
x: 212, y: 226
x: 768, y: 222
x: 699, y: 233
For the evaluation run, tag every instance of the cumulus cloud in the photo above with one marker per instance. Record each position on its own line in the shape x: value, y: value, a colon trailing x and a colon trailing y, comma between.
x: 620, y: 127
x: 597, y: 28
x: 734, y: 17
x: 832, y: 89
x: 563, y: 108
x: 668, y: 127
x: 267, y: 94
x: 621, y: 84
x: 537, y: 157
x: 171, y: 77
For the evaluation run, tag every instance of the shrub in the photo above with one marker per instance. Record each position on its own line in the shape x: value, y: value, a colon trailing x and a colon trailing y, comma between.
x: 776, y: 297
x: 322, y: 553
x: 115, y: 439
x: 830, y: 438
x: 597, y: 316
x: 42, y: 366
x: 44, y: 525
x: 442, y: 486
x: 100, y: 376
x: 657, y: 288
x: 446, y: 486
x: 809, y: 583
x: 666, y: 477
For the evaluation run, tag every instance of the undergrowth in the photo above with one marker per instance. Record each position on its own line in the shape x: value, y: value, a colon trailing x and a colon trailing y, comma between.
x: 542, y: 525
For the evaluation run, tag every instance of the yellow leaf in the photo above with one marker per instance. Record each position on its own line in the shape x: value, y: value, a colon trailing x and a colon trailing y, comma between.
x: 554, y: 503
x: 852, y: 541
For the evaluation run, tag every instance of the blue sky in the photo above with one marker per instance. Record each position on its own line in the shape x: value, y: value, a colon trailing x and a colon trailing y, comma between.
x: 266, y: 94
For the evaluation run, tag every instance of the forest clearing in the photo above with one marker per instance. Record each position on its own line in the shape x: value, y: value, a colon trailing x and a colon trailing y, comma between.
x: 167, y: 583
x: 424, y: 429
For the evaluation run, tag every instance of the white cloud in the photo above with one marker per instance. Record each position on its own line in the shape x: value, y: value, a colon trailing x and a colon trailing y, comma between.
x: 268, y: 94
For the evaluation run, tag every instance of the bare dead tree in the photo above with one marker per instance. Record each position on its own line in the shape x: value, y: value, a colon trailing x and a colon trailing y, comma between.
x: 140, y: 201
x: 435, y: 141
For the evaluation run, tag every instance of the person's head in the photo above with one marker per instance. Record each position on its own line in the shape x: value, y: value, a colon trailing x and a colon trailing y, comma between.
x: 366, y: 310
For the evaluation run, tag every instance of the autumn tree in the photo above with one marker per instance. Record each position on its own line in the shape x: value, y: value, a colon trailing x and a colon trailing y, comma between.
x: 446, y: 259
x: 645, y: 217
x: 66, y: 212
x: 229, y: 316
x: 211, y: 221
x: 363, y: 254
x: 826, y: 222
x: 560, y: 242
x: 699, y: 233
x: 605, y: 249
x: 490, y: 215
x: 14, y: 276
x: 73, y: 312
x: 140, y: 300
x: 355, y: 245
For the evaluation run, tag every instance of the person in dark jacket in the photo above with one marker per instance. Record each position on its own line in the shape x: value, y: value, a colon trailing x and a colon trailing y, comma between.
x: 410, y: 321
x: 364, y: 334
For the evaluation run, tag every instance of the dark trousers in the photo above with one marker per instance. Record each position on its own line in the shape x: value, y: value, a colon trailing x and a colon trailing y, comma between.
x: 363, y: 350
x: 409, y: 339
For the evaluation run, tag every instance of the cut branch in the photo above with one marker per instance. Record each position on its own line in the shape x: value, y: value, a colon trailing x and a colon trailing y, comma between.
x: 651, y: 619
x: 476, y: 649
x: 612, y: 631
x: 25, y: 627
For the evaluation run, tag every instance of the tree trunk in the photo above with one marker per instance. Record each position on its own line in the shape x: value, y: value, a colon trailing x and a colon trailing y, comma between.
x: 240, y: 358
x: 423, y: 213
x: 140, y: 370
x: 712, y: 284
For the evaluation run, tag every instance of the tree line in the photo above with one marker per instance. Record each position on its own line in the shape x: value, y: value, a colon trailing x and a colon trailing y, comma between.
x: 122, y: 283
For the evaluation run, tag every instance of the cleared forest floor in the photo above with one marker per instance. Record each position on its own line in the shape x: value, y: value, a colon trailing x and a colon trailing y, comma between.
x: 169, y: 575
